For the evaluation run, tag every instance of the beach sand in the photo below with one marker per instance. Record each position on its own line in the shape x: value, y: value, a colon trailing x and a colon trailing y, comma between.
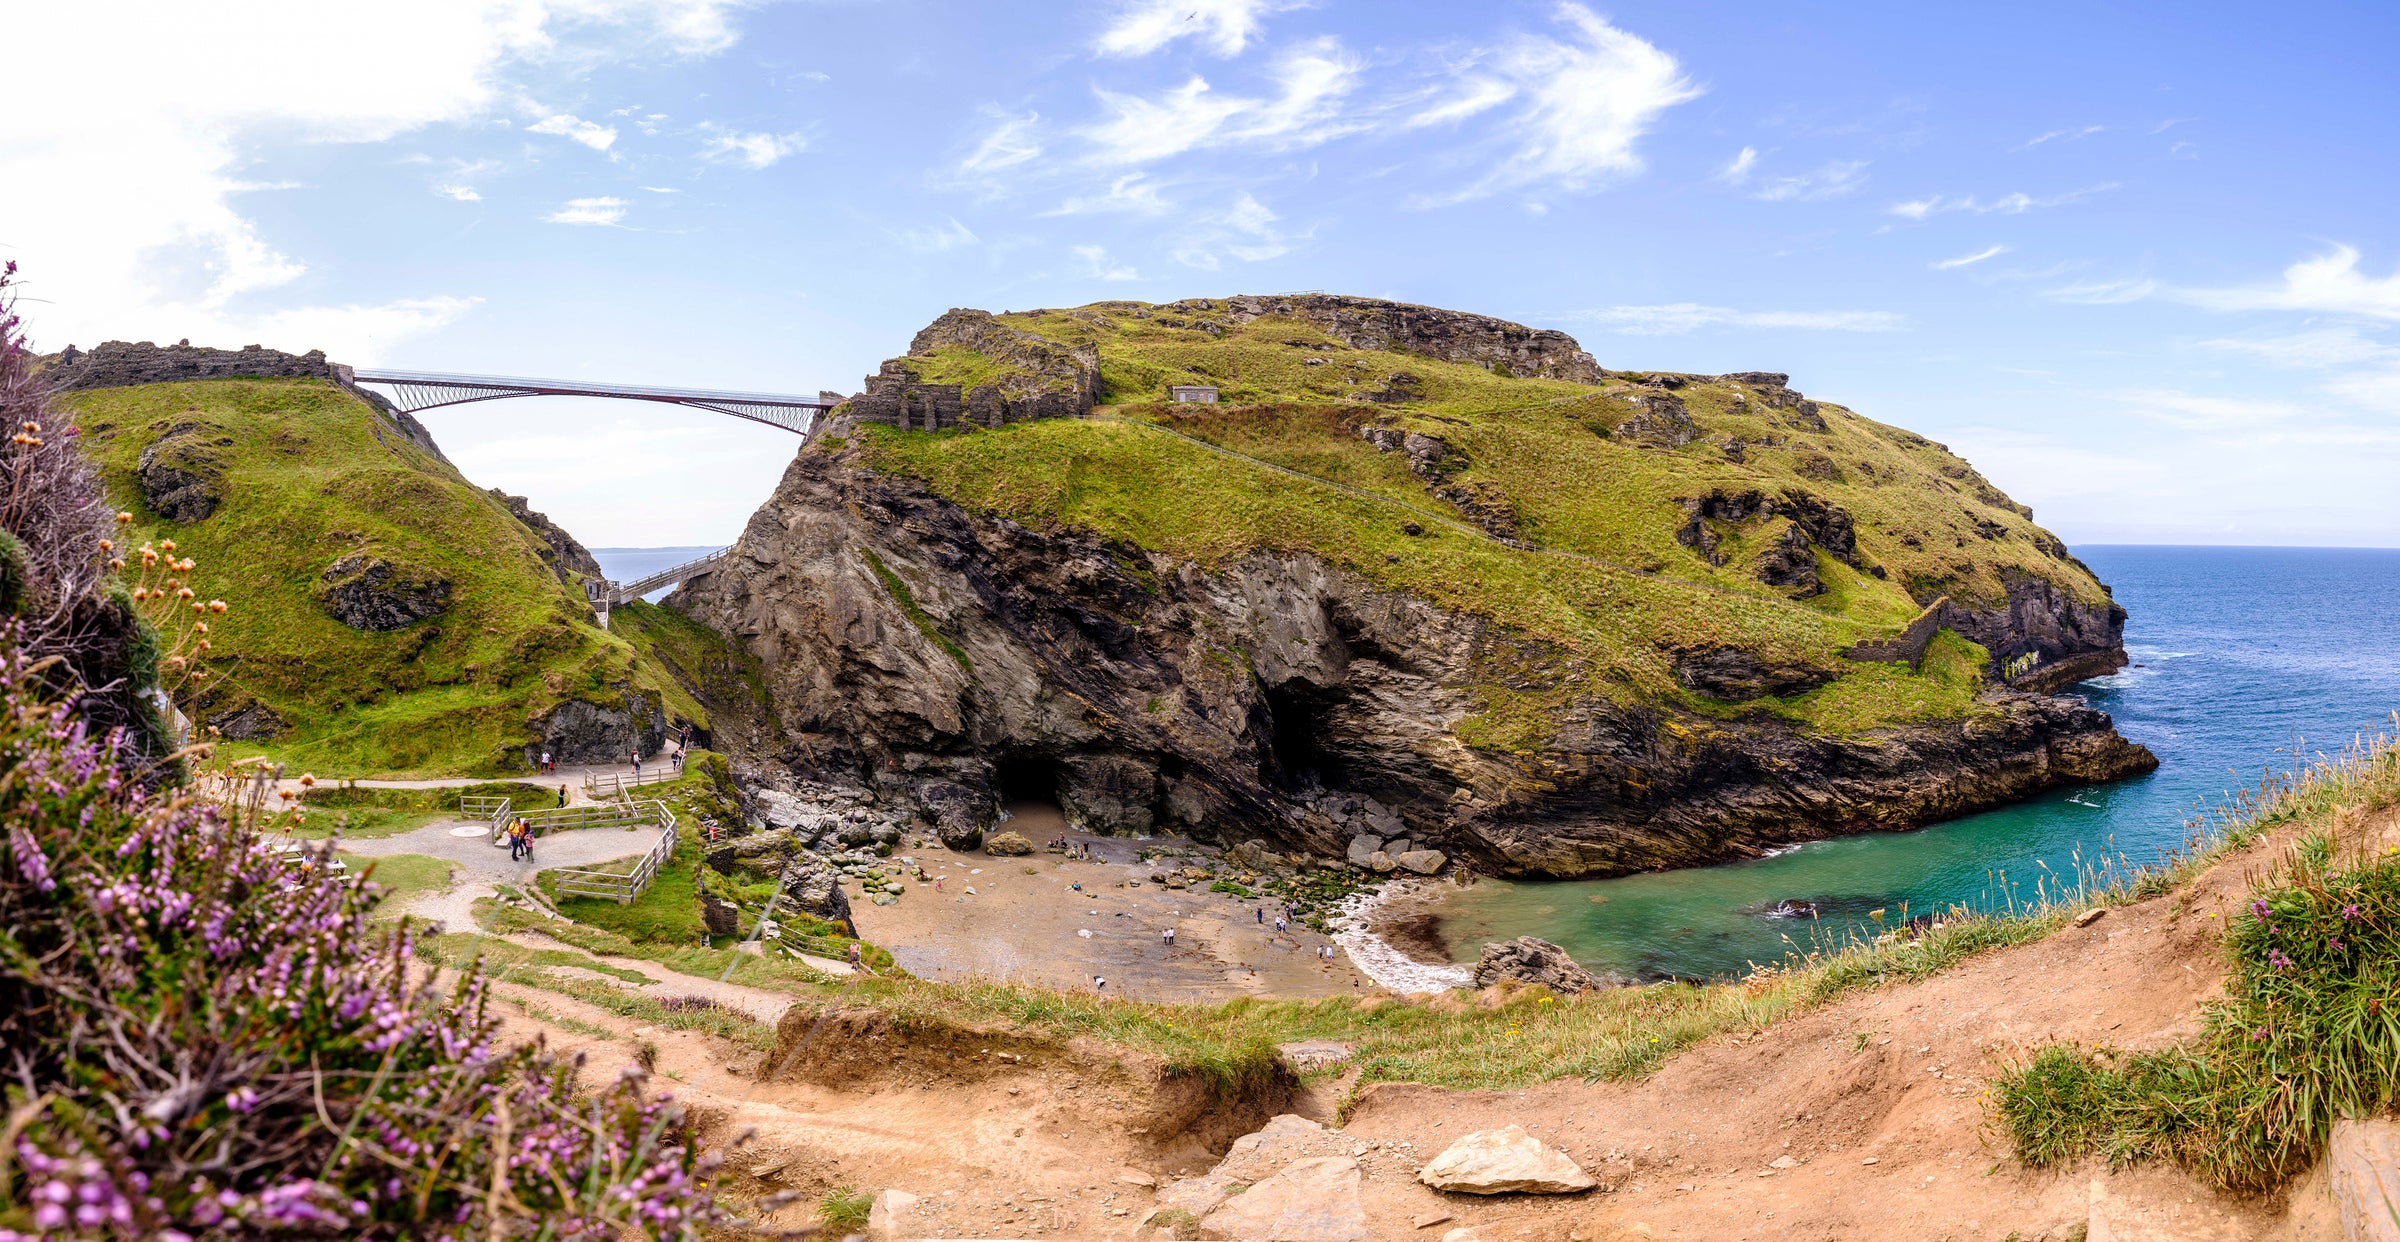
x: 1024, y: 923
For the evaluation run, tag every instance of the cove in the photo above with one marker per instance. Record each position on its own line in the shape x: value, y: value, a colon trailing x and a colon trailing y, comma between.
x: 2243, y: 660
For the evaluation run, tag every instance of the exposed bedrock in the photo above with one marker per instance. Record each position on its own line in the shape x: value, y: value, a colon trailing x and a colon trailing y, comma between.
x: 948, y: 661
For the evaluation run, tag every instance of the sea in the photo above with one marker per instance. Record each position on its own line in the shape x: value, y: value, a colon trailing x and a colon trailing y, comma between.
x: 2244, y: 661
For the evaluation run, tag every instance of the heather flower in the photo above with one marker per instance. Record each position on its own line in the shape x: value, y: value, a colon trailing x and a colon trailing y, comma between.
x: 2276, y: 959
x: 2350, y: 913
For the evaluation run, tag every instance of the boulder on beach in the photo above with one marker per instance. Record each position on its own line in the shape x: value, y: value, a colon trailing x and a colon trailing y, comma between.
x: 1007, y: 844
x: 1528, y: 959
x: 1503, y: 1161
x: 1422, y: 862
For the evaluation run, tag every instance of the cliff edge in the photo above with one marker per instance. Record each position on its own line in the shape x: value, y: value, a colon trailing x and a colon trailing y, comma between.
x: 1415, y: 573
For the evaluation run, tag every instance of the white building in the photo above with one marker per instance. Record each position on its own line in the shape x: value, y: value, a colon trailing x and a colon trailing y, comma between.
x: 1191, y: 392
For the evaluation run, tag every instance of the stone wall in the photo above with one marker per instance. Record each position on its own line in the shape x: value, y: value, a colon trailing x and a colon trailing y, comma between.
x: 895, y: 397
x: 1908, y: 644
x: 120, y: 364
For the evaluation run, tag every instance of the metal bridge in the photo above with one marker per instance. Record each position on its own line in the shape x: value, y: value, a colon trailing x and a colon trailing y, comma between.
x: 413, y: 391
x: 607, y: 595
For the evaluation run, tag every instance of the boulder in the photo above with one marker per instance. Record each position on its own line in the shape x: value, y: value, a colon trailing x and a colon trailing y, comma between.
x: 181, y: 476
x: 1255, y: 855
x: 1422, y: 862
x: 367, y: 592
x: 1007, y: 845
x: 1507, y: 1160
x: 1659, y: 420
x: 813, y: 887
x: 959, y: 817
x: 1527, y: 959
x: 2360, y: 1159
x: 1313, y: 1200
x: 1363, y: 847
x: 888, y: 1220
x: 1381, y: 863
x: 251, y: 722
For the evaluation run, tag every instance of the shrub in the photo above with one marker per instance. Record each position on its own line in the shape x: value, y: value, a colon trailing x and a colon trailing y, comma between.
x: 207, y: 1038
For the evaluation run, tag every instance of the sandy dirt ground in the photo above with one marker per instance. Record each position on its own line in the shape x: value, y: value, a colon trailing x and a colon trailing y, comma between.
x: 1025, y: 921
x: 1862, y: 1119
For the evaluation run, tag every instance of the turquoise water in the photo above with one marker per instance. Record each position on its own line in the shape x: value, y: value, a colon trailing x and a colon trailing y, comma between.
x: 2242, y: 658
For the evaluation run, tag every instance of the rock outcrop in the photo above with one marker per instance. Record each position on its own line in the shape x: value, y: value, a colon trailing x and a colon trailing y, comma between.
x: 182, y: 472
x: 119, y: 364
x: 918, y: 649
x: 561, y: 552
x: 580, y: 731
x: 1529, y: 959
x: 1427, y: 331
x: 367, y: 592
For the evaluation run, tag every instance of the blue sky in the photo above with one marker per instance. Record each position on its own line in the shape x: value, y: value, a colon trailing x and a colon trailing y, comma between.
x: 2139, y: 264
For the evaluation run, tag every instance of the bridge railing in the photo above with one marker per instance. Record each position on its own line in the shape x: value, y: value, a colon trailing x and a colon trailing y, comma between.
x: 619, y: 593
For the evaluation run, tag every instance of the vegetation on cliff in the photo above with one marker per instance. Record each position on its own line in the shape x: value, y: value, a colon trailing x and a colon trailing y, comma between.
x: 393, y: 619
x: 1628, y: 523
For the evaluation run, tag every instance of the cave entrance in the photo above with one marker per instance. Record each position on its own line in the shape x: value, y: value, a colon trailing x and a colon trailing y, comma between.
x: 1027, y: 786
x: 1299, y: 716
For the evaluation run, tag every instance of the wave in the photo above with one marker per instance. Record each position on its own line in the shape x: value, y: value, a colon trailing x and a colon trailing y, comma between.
x: 1388, y: 967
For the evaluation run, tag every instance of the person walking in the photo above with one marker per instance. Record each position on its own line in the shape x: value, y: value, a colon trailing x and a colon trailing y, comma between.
x: 528, y: 838
x: 516, y: 839
x: 1261, y: 912
x: 1168, y: 936
x: 1281, y: 924
x: 637, y: 763
x: 562, y: 795
x: 855, y: 960
x: 545, y: 761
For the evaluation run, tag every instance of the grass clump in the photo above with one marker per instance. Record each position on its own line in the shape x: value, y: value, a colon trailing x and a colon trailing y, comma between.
x: 2306, y: 1032
x: 907, y: 600
x: 844, y: 1209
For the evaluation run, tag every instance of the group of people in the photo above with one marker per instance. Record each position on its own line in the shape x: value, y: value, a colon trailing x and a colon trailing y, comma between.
x: 520, y: 839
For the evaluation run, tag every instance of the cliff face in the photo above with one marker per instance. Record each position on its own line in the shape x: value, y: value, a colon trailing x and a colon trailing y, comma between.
x: 948, y: 658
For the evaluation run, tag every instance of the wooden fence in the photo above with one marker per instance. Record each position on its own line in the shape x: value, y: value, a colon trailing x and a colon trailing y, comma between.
x: 621, y: 888
x: 615, y: 784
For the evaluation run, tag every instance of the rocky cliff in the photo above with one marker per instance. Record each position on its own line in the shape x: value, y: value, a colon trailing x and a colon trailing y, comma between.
x: 1309, y: 621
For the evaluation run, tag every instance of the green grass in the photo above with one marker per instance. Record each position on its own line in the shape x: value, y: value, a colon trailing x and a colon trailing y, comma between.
x: 2307, y: 1031
x: 403, y: 876
x: 844, y: 1209
x: 510, y: 963
x: 305, y: 482
x: 1606, y: 595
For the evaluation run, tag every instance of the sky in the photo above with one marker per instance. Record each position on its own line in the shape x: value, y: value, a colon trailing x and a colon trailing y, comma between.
x: 2137, y: 262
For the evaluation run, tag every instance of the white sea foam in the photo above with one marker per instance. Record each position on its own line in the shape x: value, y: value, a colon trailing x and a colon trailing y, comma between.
x: 1781, y: 850
x: 1379, y: 961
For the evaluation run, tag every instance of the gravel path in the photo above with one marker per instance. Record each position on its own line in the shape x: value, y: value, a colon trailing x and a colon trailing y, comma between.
x: 484, y: 863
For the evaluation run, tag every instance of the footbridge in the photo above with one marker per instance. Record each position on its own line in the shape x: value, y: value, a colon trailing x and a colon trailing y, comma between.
x: 416, y: 391
x: 606, y: 595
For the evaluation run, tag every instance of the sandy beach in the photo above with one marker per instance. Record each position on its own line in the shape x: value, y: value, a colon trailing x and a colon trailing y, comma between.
x: 1025, y: 920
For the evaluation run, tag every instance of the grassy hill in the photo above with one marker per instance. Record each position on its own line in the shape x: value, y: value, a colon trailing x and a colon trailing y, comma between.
x: 1619, y: 526
x: 298, y: 513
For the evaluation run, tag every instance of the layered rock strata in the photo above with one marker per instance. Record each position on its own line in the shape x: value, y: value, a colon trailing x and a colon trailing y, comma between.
x: 946, y: 660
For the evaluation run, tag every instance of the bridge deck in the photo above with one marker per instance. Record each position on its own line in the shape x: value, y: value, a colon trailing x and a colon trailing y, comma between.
x: 414, y: 391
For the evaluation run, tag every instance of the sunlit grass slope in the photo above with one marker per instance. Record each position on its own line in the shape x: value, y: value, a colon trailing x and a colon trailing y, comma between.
x: 306, y: 481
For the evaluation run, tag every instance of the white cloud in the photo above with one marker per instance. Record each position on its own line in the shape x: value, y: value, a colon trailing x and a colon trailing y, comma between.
x: 1737, y: 170
x: 1586, y: 99
x: 1244, y: 231
x: 591, y: 134
x: 2070, y: 134
x: 1470, y: 95
x: 1829, y: 180
x: 1988, y: 252
x: 658, y: 189
x: 154, y: 240
x: 589, y: 211
x: 752, y: 151
x: 1676, y: 318
x: 1131, y: 194
x: 2328, y: 284
x: 2007, y: 204
x: 461, y: 193
x: 2102, y: 292
x: 1011, y: 142
x: 1312, y: 80
x: 936, y: 238
x: 2205, y: 412
x: 1097, y: 265
x: 1223, y: 26
x: 2312, y: 350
